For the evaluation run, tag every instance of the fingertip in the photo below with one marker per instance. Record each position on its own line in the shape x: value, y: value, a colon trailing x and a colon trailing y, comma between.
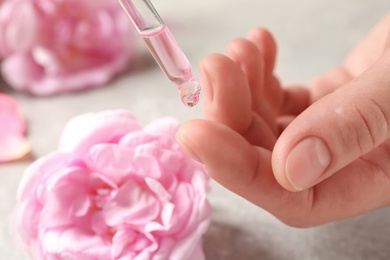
x: 266, y: 43
x: 246, y: 54
x: 242, y: 49
x: 215, y: 69
x: 207, y: 66
x: 213, y: 61
x: 263, y: 37
x: 183, y: 137
x: 226, y: 89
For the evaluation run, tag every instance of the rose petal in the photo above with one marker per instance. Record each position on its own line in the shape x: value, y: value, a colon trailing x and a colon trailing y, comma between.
x: 166, y: 126
x: 19, y: 26
x: 165, y: 226
x: 171, y: 164
x: 189, y: 247
x: 154, y: 157
x: 120, y: 241
x: 200, y: 182
x: 155, y: 148
x: 158, y: 189
x: 26, y: 220
x: 132, y: 205
x: 165, y: 249
x: 167, y: 208
x: 186, y: 219
x: 39, y: 172
x: 101, y: 183
x: 13, y: 145
x: 111, y: 160
x: 134, y: 139
x: 98, y: 224
x: 182, y: 199
x: 72, y: 81
x: 80, y: 206
x: 84, y: 131
x: 20, y: 69
x: 22, y: 29
x: 135, y: 245
x: 146, y: 166
x: 76, y: 241
x: 66, y: 198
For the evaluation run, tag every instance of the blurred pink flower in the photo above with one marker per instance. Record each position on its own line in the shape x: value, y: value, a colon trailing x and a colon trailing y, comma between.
x: 53, y: 46
x: 114, y: 191
x: 13, y: 145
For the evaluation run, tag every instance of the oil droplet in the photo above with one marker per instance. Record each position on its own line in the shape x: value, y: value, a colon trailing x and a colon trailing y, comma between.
x: 189, y: 92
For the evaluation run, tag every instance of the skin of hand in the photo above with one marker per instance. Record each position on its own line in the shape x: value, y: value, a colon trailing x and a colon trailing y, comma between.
x: 308, y: 155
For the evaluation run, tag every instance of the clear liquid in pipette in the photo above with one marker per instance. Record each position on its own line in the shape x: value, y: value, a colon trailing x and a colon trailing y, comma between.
x: 169, y: 56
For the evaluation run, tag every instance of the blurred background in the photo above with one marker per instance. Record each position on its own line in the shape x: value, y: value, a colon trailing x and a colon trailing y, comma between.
x: 312, y: 36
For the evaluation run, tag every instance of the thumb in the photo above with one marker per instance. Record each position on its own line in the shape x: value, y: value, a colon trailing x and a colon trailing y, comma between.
x: 335, y: 130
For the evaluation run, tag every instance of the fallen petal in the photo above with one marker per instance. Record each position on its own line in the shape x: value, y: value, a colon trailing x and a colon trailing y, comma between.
x: 13, y: 145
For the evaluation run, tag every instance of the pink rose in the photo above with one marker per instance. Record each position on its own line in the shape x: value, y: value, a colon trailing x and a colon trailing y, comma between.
x: 53, y: 46
x: 13, y: 145
x: 114, y: 191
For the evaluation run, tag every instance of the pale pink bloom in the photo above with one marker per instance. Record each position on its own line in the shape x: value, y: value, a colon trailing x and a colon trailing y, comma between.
x: 114, y: 190
x: 13, y: 145
x: 53, y: 46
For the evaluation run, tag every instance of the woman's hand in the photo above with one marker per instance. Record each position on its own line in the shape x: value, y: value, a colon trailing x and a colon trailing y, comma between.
x: 307, y: 155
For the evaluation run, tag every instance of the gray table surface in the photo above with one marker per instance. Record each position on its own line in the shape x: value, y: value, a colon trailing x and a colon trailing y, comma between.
x: 313, y: 36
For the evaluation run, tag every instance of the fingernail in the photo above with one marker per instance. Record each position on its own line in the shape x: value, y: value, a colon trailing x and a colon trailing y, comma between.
x: 307, y: 162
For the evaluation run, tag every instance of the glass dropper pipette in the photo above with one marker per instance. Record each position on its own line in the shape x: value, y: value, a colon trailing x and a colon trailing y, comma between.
x: 164, y: 48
